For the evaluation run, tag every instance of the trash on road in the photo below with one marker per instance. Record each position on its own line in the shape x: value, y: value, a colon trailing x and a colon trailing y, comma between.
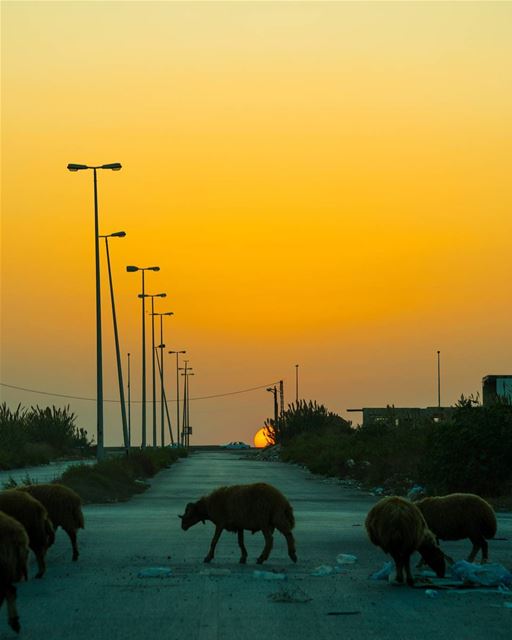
x: 431, y: 593
x: 507, y: 605
x: 215, y: 572
x: 325, y: 570
x: 155, y: 572
x: 290, y: 595
x: 346, y: 558
x: 485, y: 575
x: 269, y: 575
x: 383, y: 573
x: 415, y: 492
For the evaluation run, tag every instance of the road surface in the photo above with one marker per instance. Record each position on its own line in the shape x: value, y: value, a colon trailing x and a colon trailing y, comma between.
x: 101, y: 597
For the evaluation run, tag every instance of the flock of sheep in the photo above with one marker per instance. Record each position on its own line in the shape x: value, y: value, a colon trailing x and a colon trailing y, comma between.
x: 29, y: 516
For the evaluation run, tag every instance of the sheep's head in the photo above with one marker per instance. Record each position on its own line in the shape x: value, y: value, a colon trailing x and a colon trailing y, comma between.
x: 194, y: 512
x: 432, y: 554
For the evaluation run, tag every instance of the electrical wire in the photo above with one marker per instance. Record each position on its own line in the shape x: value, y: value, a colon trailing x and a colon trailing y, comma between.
x: 70, y: 397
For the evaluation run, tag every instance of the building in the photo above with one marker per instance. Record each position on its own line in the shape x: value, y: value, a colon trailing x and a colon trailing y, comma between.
x: 496, y: 388
x: 403, y: 415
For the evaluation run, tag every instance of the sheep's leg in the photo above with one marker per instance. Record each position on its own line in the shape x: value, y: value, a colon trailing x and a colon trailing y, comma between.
x: 479, y: 543
x: 290, y: 541
x: 243, y: 557
x: 215, y: 539
x: 407, y: 565
x: 72, y: 536
x: 268, y: 546
x: 41, y: 564
x: 399, y: 568
x: 14, y: 621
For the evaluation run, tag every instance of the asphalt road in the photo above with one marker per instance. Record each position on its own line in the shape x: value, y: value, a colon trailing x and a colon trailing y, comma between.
x: 102, y: 597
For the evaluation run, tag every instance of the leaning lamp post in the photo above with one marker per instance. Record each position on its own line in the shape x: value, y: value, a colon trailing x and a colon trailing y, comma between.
x: 114, y: 166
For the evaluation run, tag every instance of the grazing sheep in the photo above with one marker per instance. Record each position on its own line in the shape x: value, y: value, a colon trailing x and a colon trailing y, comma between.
x: 255, y: 507
x: 64, y: 508
x: 34, y: 517
x: 458, y: 516
x: 396, y: 526
x: 13, y: 564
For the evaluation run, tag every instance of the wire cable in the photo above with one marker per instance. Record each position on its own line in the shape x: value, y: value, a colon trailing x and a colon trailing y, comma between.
x: 70, y: 397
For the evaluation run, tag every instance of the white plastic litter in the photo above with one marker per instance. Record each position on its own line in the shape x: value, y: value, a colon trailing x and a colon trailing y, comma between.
x: 269, y: 575
x: 485, y: 575
x: 155, y: 572
x: 431, y: 593
x: 346, y: 558
x: 383, y: 573
x: 416, y: 492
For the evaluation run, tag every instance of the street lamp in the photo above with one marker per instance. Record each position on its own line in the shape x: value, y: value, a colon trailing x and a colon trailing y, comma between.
x: 132, y: 269
x: 153, y: 296
x: 117, y: 234
x: 177, y: 394
x: 115, y: 166
x: 161, y: 346
x: 186, y: 404
x: 273, y: 390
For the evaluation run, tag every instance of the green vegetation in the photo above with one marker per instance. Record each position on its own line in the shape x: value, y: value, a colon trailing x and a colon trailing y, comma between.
x: 36, y: 436
x: 118, y: 479
x: 471, y: 452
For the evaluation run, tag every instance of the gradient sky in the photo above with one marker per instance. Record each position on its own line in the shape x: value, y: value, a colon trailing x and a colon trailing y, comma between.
x: 321, y: 183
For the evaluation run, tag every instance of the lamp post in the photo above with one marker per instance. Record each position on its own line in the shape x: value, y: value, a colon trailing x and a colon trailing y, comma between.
x: 117, y: 234
x: 297, y: 383
x: 115, y: 166
x: 186, y: 404
x: 161, y: 346
x: 177, y: 395
x: 132, y: 269
x: 439, y: 379
x: 129, y: 407
x: 273, y: 390
x: 152, y: 314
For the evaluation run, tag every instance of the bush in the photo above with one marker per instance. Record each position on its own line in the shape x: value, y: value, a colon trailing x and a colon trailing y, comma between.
x: 117, y: 479
x: 36, y: 436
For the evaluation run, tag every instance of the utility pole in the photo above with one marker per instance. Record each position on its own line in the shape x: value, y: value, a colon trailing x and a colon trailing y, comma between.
x: 281, y: 397
x: 439, y: 379
x: 297, y: 383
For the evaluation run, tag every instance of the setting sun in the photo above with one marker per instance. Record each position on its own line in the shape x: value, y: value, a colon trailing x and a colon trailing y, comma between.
x: 260, y: 439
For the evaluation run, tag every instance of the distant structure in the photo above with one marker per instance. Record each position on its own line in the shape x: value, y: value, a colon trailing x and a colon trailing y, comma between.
x: 496, y: 388
x: 403, y: 415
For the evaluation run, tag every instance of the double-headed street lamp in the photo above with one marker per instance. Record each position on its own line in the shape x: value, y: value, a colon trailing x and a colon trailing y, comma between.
x: 186, y: 404
x: 161, y: 346
x: 132, y: 269
x: 177, y: 395
x: 117, y: 234
x: 153, y: 296
x: 114, y: 166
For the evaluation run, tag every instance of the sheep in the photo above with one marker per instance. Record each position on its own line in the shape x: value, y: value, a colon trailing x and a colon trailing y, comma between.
x: 255, y: 507
x: 34, y: 517
x: 398, y: 527
x: 458, y: 516
x: 13, y: 564
x: 64, y: 508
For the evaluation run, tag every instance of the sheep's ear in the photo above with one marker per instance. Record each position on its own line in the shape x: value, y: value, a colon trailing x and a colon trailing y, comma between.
x: 203, y: 521
x: 180, y: 517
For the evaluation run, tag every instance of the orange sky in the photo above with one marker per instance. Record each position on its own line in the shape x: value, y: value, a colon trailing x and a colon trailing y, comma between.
x: 321, y: 183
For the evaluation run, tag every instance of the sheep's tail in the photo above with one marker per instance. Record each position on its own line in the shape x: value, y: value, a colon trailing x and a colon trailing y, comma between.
x: 288, y: 514
x: 78, y: 517
x: 489, y: 525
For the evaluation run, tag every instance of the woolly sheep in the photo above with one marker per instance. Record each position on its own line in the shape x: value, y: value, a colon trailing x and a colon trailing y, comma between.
x: 34, y: 517
x: 64, y: 508
x: 13, y: 564
x: 255, y: 507
x: 396, y: 526
x: 458, y: 516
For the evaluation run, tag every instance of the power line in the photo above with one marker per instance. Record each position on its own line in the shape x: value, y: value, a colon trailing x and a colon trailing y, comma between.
x: 63, y: 395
